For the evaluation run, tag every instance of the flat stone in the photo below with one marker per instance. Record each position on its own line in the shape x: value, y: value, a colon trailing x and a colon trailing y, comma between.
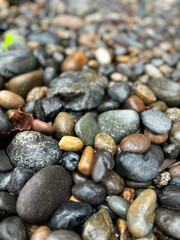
x: 4, y: 180
x: 43, y: 38
x: 28, y: 146
x: 8, y: 203
x: 5, y: 123
x: 140, y: 215
x: 63, y: 235
x: 156, y: 121
x: 43, y: 194
x: 119, y: 91
x: 118, y: 123
x: 5, y: 164
x: 118, y: 205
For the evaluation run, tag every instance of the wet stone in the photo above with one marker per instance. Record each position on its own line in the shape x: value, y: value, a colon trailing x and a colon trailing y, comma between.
x: 8, y: 203
x: 35, y: 203
x: 63, y: 235
x: 104, y: 141
x: 89, y: 192
x: 175, y: 171
x: 134, y: 103
x: 119, y: 91
x: 5, y: 123
x: 4, y: 180
x: 28, y: 146
x: 156, y: 138
x: 5, y: 164
x: 78, y: 177
x: 70, y: 215
x: 109, y: 105
x: 159, y: 105
x: 107, y: 208
x: 69, y: 160
x: 69, y: 143
x: 43, y: 38
x: 145, y: 94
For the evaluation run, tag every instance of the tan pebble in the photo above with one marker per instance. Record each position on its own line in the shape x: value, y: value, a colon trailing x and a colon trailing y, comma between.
x: 86, y: 161
x: 9, y: 100
x: 31, y: 228
x: 173, y: 114
x: 123, y: 59
x: 135, y: 103
x: 123, y: 230
x: 156, y: 138
x: 11, y: 112
x: 88, y: 39
x: 74, y: 62
x: 93, y: 64
x: 104, y: 141
x: 41, y: 233
x: 42, y: 127
x: 175, y: 171
x: 73, y: 198
x: 118, y: 77
x: 64, y: 125
x: 128, y: 194
x: 160, y: 105
x: 165, y: 69
x: 33, y: 45
x: 143, y: 79
x: 69, y: 143
x: 175, y: 132
x: 137, y: 143
x: 145, y: 94
x: 36, y: 93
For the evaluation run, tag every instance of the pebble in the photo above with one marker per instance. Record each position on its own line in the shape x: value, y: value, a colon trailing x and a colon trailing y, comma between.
x: 136, y: 185
x: 118, y: 77
x: 4, y: 180
x: 123, y: 230
x: 162, y: 179
x: 144, y: 93
x: 175, y: 181
x: 40, y: 233
x: 69, y: 21
x: 86, y: 161
x: 152, y: 71
x: 173, y: 114
x: 156, y: 121
x: 128, y: 194
x: 171, y: 58
x: 43, y: 37
x: 36, y: 93
x: 5, y: 125
x: 172, y: 150
x: 9, y: 100
x: 78, y: 177
x: 146, y: 167
x: 175, y: 133
x: 103, y: 56
x: 86, y: 129
x: 109, y: 105
x: 157, y: 152
x: 70, y: 215
x: 134, y: 103
x: 113, y: 183
x: 63, y: 235
x: 168, y: 221
x: 13, y: 228
x: 103, y: 161
x: 42, y: 127
x: 166, y: 90
x: 18, y: 179
x: 156, y: 138
x: 159, y: 105
x: 5, y: 164
x: 11, y: 63
x: 8, y: 203
x: 69, y: 143
x: 89, y: 192
x: 74, y: 62
x: 28, y: 146
x: 137, y: 143
x: 35, y: 202
x: 64, y: 125
x: 23, y: 83
x: 175, y: 171
x: 69, y: 160
x: 166, y: 163
x: 118, y: 123
x: 104, y: 141
x: 99, y: 226
x: 119, y: 91
x: 140, y: 215
x: 118, y: 205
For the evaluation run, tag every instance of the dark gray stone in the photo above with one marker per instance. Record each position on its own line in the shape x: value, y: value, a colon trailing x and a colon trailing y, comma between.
x: 119, y: 91
x: 4, y: 180
x: 175, y: 181
x: 172, y: 150
x: 5, y: 125
x: 8, y: 202
x: 109, y: 105
x: 5, y: 164
x: 44, y: 37
x: 156, y: 152
x: 69, y: 160
x: 137, y: 185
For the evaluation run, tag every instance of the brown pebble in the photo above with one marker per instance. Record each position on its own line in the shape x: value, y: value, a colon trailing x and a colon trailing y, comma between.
x: 123, y: 230
x: 128, y: 194
x: 64, y: 125
x: 175, y: 171
x: 93, y: 64
x: 69, y: 143
x: 42, y: 127
x: 145, y: 94
x: 36, y: 93
x: 156, y: 138
x: 123, y: 59
x: 41, y: 233
x: 86, y: 161
x: 137, y: 143
x: 74, y: 62
x: 78, y: 177
x: 10, y: 100
x: 135, y: 103
x: 104, y: 141
x: 73, y: 198
x: 33, y: 45
x: 10, y: 113
x: 160, y: 105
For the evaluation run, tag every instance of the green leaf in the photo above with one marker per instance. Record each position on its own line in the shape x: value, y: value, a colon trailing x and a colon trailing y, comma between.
x: 10, y: 39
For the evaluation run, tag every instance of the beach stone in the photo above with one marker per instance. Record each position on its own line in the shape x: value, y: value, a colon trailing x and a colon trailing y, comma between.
x: 134, y: 103
x: 86, y: 161
x: 156, y: 138
x: 4, y: 180
x: 175, y: 181
x: 118, y: 205
x: 69, y: 160
x: 78, y: 177
x: 172, y: 150
x: 123, y: 230
x: 159, y: 105
x: 175, y: 171
x: 137, y: 143
x: 152, y: 71
x: 43, y: 37
x: 166, y: 90
x: 144, y: 93
x: 175, y: 132
x: 99, y: 226
x: 166, y: 163
x: 33, y: 150
x: 15, y: 62
x: 168, y: 222
x: 40, y: 233
x: 63, y: 235
x: 103, y: 56
x: 5, y: 164
x: 43, y: 194
x: 119, y: 91
x: 18, y: 179
x: 13, y: 228
x: 10, y: 100
x: 5, y: 125
x: 36, y: 93
x: 118, y: 123
x: 69, y: 21
x: 80, y: 90
x: 69, y: 143
x: 109, y: 105
x: 128, y: 194
x: 146, y: 167
x: 8, y: 203
x: 157, y: 152
x: 156, y: 121
x: 140, y: 215
x: 89, y: 192
x: 86, y: 129
x: 104, y: 141
x: 173, y: 114
x: 70, y: 215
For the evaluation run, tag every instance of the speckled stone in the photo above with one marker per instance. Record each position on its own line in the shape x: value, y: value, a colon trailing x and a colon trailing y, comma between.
x: 118, y: 123
x: 118, y: 205
x: 168, y: 221
x: 63, y: 235
x: 156, y: 121
x: 173, y: 114
x: 29, y: 146
x: 43, y: 194
x: 140, y: 215
x: 99, y: 226
x: 4, y: 180
x: 119, y: 91
x: 8, y: 202
x: 86, y: 129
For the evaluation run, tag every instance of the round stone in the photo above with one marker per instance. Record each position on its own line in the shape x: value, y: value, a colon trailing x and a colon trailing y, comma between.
x: 36, y: 93
x: 43, y: 194
x: 63, y: 235
x: 104, y: 141
x: 134, y: 103
x: 152, y: 71
x: 103, y: 56
x: 144, y: 93
x: 156, y: 138
x: 86, y: 161
x: 69, y: 143
x: 119, y: 91
x: 33, y: 150
x: 156, y: 121
x: 10, y: 100
x: 69, y: 160
x: 175, y: 171
x: 118, y: 205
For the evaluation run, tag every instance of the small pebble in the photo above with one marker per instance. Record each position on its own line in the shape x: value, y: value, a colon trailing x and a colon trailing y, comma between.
x: 103, y: 56
x: 69, y: 160
x: 41, y: 233
x: 156, y: 138
x: 134, y: 103
x: 144, y: 93
x: 9, y: 100
x: 69, y: 143
x: 128, y: 194
x: 104, y: 141
x: 86, y: 161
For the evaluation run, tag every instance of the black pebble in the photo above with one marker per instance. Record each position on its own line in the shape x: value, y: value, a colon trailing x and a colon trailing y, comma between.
x: 69, y: 160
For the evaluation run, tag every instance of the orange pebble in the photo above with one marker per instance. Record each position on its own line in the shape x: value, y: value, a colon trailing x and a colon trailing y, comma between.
x: 73, y: 198
x: 85, y: 163
x: 69, y: 143
x: 42, y: 127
